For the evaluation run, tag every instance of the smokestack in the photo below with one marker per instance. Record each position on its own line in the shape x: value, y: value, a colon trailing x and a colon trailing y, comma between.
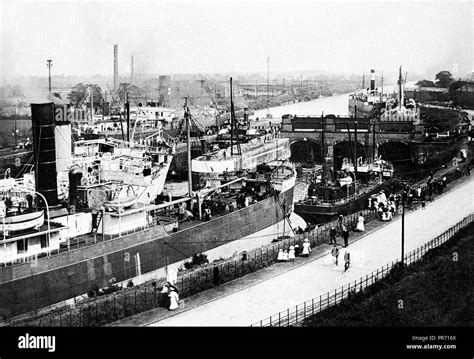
x: 131, y: 72
x: 44, y: 151
x: 372, y: 80
x: 115, y: 68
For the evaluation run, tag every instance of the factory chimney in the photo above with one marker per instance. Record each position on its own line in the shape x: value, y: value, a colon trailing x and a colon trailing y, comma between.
x: 115, y: 68
x: 372, y: 80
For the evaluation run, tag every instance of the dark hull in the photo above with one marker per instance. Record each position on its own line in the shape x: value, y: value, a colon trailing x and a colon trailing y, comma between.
x: 317, y: 214
x: 30, y: 286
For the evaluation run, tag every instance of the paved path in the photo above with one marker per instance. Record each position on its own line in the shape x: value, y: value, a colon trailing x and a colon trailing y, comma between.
x: 249, y: 304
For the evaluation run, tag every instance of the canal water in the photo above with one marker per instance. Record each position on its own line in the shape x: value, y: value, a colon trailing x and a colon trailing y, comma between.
x: 335, y: 105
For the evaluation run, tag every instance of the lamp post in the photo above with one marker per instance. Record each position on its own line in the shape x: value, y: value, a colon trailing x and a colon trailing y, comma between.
x: 268, y: 86
x: 404, y: 196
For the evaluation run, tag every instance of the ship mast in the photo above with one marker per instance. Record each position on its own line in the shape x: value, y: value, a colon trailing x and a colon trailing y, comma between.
x: 323, y: 154
x: 400, y: 91
x: 363, y: 80
x: 381, y: 93
x: 188, y: 141
x: 231, y: 120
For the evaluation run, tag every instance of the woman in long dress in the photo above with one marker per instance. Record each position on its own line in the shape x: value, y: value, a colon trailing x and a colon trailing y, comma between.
x: 280, y: 257
x: 174, y: 298
x: 291, y: 253
x: 360, y: 224
x: 165, y: 299
x: 306, y: 248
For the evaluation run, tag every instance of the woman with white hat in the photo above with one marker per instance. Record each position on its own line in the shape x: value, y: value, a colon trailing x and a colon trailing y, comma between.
x: 360, y: 223
x: 280, y: 257
x: 306, y: 248
x: 174, y: 298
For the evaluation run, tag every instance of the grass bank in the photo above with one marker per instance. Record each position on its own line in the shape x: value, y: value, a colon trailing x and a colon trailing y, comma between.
x: 436, y: 291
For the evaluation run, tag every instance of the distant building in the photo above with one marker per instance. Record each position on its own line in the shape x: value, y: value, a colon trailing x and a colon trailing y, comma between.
x: 464, y: 95
x: 424, y: 94
x: 164, y: 90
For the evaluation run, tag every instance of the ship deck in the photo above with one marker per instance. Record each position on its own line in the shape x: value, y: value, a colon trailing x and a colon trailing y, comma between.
x: 90, y: 239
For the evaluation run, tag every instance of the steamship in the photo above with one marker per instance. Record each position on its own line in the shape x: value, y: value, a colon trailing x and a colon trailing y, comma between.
x: 367, y: 102
x: 94, y: 214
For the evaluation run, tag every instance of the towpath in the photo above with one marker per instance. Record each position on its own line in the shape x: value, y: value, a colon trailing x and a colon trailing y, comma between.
x: 247, y: 300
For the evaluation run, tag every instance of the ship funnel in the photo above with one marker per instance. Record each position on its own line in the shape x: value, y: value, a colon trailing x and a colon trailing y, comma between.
x: 372, y: 80
x: 44, y: 150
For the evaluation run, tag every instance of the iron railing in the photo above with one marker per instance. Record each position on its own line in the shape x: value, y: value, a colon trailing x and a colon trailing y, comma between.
x: 296, y: 314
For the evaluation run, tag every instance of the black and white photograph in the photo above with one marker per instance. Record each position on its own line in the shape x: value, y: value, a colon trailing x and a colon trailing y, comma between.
x: 216, y: 165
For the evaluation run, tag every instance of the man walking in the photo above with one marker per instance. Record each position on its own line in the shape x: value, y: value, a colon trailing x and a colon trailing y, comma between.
x: 335, y: 254
x: 345, y: 235
x: 347, y: 261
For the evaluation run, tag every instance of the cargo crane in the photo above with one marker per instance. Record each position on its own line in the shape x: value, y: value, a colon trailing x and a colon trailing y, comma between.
x: 212, y: 96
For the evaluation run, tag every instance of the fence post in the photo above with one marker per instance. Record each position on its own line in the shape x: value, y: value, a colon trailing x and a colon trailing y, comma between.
x: 279, y: 319
x: 304, y: 310
x: 312, y: 306
x: 125, y: 304
x: 296, y: 320
x: 320, y: 303
x: 145, y: 299
x: 288, y: 316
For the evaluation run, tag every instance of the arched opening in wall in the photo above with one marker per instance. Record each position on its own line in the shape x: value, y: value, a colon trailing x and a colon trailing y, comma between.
x: 398, y: 153
x: 306, y: 153
x: 345, y: 149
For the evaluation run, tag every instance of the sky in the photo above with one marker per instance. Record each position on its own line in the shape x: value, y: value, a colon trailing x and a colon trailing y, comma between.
x: 169, y: 37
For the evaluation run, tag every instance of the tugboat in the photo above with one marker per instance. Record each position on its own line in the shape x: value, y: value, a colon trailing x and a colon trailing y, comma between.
x: 349, y: 189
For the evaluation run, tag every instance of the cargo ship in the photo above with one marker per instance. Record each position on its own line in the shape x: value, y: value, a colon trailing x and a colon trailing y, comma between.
x: 107, y: 225
x: 367, y: 102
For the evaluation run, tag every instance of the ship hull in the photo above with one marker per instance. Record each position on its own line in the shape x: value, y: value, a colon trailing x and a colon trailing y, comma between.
x: 47, y: 281
x: 322, y: 213
x: 363, y: 109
